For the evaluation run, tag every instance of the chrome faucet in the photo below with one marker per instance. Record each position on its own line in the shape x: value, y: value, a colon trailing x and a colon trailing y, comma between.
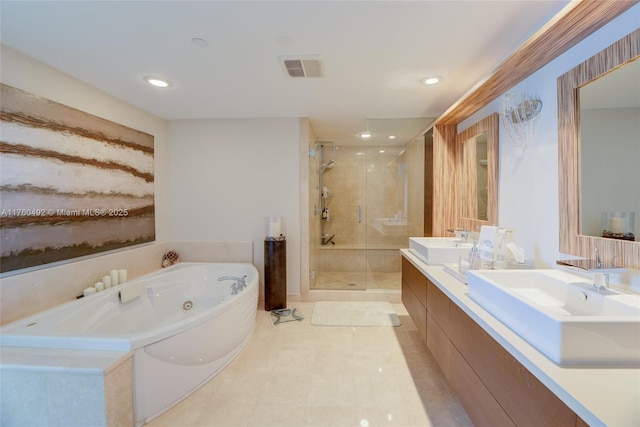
x: 240, y: 283
x: 462, y: 234
x: 599, y: 269
x: 601, y: 281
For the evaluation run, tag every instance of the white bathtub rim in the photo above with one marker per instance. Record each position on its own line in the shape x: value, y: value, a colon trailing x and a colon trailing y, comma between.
x: 118, y: 341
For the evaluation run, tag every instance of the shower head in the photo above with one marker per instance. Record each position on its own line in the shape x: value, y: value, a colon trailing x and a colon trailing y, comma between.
x: 328, y: 165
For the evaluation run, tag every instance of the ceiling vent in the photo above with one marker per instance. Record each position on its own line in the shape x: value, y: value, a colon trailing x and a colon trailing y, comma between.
x: 307, y: 66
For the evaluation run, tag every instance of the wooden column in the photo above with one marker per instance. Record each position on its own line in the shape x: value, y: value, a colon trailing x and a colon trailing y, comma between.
x: 275, y: 274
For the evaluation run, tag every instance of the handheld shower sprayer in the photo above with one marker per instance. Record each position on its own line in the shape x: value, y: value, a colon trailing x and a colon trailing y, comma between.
x: 327, y: 165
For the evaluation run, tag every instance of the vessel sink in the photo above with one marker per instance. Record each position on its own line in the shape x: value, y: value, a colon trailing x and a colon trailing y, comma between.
x: 439, y: 250
x: 562, y: 315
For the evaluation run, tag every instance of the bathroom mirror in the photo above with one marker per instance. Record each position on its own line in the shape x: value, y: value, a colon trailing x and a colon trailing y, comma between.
x: 478, y: 176
x: 609, y: 172
x: 577, y: 190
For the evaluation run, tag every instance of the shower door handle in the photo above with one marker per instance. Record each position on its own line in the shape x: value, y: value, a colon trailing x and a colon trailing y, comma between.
x: 359, y: 214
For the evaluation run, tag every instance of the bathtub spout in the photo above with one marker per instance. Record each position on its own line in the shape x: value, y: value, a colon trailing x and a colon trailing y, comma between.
x: 239, y: 285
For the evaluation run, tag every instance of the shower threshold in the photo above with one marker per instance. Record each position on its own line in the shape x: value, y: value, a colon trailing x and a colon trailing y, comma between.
x: 357, y: 281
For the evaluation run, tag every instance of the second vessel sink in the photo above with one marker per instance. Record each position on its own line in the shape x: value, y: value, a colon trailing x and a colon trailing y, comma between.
x: 439, y: 250
x: 562, y: 315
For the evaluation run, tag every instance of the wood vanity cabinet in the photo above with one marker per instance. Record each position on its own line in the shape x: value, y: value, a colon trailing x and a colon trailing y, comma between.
x: 414, y: 295
x: 494, y: 388
x: 523, y: 397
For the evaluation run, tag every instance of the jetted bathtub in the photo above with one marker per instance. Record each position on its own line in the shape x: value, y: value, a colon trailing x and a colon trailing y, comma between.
x: 184, y: 323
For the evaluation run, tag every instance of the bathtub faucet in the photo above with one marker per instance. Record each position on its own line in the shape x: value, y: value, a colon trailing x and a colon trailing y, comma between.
x: 240, y: 283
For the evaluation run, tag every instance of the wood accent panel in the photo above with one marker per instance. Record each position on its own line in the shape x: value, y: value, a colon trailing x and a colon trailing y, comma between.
x: 481, y: 406
x: 490, y: 126
x: 524, y: 398
x: 429, y: 180
x: 438, y: 306
x: 572, y: 242
x: 572, y: 24
x: 446, y: 202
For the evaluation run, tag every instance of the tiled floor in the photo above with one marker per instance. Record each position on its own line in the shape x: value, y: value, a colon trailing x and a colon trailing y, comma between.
x: 296, y: 374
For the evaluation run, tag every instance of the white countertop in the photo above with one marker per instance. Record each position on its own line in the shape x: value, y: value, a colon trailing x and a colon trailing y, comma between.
x: 600, y: 396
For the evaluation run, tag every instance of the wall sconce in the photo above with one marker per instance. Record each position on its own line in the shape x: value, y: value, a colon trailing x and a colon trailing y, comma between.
x: 519, y: 116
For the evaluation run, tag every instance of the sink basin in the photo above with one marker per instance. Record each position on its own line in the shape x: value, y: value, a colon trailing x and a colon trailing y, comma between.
x: 562, y: 315
x: 439, y: 250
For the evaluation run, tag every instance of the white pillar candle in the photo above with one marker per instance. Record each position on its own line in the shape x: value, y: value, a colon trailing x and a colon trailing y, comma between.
x: 114, y: 278
x: 89, y: 291
x: 275, y: 228
x: 617, y: 225
x: 122, y: 276
x: 99, y: 286
x: 107, y: 282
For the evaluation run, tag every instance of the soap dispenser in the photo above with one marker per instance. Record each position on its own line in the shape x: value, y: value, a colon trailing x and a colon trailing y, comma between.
x: 474, y: 258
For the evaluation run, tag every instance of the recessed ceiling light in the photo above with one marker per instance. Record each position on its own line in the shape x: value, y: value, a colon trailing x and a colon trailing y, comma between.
x: 366, y: 135
x: 155, y: 81
x: 391, y: 137
x: 431, y: 80
x: 380, y: 151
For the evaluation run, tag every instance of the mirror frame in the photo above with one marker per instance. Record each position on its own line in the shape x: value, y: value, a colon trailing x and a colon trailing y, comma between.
x: 572, y: 242
x: 488, y: 125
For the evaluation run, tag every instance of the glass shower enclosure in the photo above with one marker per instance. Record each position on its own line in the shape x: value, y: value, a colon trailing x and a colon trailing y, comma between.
x: 366, y: 201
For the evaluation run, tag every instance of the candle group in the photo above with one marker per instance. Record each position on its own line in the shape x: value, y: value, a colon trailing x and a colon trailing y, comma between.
x: 114, y: 278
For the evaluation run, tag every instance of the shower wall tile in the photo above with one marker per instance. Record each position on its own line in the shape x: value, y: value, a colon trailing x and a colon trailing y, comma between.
x: 346, y: 180
x: 384, y: 261
x: 372, y: 260
x: 342, y: 260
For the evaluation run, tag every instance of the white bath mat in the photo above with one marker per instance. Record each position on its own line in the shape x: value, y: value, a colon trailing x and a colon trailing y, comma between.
x: 361, y: 313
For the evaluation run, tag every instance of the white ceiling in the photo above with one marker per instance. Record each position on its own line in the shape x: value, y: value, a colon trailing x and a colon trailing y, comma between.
x: 374, y: 54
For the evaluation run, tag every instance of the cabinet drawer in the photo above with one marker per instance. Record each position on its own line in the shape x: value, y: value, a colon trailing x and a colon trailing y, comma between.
x: 524, y: 398
x: 438, y: 306
x: 482, y: 407
x: 415, y: 280
x: 438, y: 343
x: 416, y: 310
